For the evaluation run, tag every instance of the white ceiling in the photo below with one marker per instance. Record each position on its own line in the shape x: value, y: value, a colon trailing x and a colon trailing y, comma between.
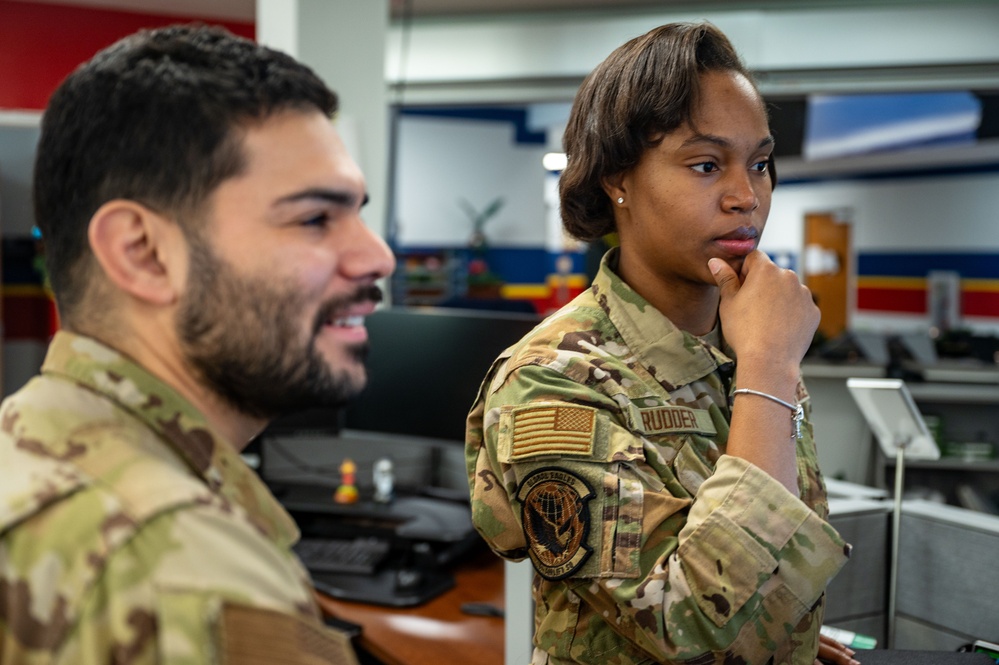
x: 459, y: 7
x: 245, y: 10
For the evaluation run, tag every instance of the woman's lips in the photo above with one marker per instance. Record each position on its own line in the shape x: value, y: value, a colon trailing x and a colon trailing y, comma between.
x: 737, y: 247
x: 740, y: 242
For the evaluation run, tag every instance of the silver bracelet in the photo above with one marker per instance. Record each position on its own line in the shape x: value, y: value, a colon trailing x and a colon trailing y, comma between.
x: 797, y: 411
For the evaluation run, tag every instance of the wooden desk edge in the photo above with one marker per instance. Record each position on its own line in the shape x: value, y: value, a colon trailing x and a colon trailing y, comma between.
x: 437, y: 630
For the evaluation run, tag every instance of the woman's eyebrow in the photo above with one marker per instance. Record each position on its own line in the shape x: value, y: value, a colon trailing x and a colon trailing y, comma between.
x: 722, y: 142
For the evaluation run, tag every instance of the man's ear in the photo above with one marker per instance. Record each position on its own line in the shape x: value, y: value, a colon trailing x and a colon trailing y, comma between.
x: 132, y: 244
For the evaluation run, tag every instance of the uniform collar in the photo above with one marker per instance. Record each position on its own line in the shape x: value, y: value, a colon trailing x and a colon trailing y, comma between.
x: 674, y: 357
x: 109, y: 373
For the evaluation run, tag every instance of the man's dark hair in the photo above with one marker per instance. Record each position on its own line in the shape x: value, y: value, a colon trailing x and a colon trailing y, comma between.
x: 645, y: 89
x: 155, y: 118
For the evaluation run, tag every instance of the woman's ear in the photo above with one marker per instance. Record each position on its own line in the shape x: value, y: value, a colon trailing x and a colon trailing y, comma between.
x: 615, y: 188
x: 129, y: 242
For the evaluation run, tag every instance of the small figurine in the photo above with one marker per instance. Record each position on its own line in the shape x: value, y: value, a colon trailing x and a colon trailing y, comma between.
x: 384, y: 480
x: 347, y: 491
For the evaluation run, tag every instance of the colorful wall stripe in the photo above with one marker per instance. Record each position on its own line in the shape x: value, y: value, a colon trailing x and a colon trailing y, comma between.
x: 897, y: 282
x: 891, y: 282
x: 892, y: 294
x: 976, y: 265
x: 980, y: 297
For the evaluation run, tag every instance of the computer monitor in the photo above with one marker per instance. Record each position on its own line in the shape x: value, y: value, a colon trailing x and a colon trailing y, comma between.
x: 425, y: 368
x: 893, y: 417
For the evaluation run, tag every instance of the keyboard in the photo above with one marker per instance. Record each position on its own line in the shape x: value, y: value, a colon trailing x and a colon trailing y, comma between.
x: 349, y: 555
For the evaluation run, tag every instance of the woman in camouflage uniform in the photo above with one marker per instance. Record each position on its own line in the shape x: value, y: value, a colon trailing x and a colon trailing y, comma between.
x: 668, y: 496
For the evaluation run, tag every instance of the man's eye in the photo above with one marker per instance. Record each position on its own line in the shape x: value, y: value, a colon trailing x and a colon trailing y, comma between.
x: 705, y: 167
x: 761, y: 167
x: 320, y: 219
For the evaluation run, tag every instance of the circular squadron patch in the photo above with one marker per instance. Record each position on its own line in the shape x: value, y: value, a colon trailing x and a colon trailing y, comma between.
x: 556, y: 521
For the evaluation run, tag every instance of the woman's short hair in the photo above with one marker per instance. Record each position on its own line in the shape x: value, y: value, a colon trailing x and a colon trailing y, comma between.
x: 646, y: 88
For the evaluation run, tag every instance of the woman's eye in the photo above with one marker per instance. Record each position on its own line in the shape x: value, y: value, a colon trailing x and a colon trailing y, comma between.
x: 705, y: 167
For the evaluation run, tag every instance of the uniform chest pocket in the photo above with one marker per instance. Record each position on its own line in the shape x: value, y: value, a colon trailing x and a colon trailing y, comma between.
x: 684, y: 439
x: 690, y: 466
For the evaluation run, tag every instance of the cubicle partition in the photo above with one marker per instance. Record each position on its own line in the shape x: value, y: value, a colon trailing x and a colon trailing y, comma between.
x: 857, y: 599
x: 948, y: 576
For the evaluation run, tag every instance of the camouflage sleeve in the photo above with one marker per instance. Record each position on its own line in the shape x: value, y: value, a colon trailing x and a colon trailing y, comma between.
x: 172, y: 593
x: 746, y: 567
x: 673, y: 559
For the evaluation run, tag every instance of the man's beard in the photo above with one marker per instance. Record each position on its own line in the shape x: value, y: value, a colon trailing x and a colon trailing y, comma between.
x: 240, y: 335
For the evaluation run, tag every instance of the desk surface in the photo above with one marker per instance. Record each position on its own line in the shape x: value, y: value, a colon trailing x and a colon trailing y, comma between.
x: 903, y: 657
x: 438, y: 630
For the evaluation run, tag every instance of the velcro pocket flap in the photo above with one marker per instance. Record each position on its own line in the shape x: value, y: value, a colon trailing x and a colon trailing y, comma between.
x: 254, y: 636
x: 724, y: 567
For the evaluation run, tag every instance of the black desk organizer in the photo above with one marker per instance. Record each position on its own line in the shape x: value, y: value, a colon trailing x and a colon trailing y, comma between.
x: 426, y: 534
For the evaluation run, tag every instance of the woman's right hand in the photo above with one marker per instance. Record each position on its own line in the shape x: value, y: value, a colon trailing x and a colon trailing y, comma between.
x: 766, y: 312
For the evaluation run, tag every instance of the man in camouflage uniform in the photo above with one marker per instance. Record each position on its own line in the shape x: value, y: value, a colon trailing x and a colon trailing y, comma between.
x: 670, y: 516
x: 211, y: 269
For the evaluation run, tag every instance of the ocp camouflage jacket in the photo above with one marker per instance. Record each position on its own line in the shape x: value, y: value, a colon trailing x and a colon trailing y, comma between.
x: 130, y: 532
x: 597, y: 448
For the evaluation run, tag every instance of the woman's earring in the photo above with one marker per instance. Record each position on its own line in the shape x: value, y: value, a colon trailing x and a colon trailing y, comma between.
x: 620, y: 200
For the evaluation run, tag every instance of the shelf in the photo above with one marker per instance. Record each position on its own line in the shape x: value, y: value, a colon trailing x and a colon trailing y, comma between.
x: 954, y: 393
x: 822, y: 369
x: 954, y: 370
x: 424, y: 277
x: 964, y: 375
x: 949, y: 464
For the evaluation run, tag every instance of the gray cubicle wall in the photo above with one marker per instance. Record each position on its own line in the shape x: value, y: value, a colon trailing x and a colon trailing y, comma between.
x: 948, y: 577
x: 857, y: 597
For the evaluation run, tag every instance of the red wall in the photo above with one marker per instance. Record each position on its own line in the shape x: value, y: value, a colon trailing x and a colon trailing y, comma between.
x: 41, y: 43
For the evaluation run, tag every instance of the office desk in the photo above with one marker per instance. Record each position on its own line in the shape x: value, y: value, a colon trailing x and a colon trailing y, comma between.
x: 903, y: 657
x: 438, y: 631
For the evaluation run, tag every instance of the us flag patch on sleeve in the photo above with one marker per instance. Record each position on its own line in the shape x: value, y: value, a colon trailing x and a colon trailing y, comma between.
x: 553, y: 429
